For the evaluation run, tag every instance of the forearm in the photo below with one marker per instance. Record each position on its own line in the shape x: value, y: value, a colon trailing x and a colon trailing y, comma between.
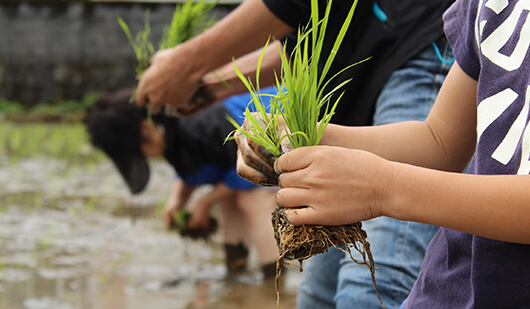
x: 224, y: 81
x: 445, y: 141
x: 244, y: 30
x: 219, y: 192
x: 474, y: 204
x: 180, y: 192
x: 201, y: 207
x: 406, y: 142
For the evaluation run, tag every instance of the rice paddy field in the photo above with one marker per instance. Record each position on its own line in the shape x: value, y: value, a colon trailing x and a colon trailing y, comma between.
x: 71, y: 236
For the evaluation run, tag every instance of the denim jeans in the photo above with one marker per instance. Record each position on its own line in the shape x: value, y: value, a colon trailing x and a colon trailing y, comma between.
x: 332, y: 279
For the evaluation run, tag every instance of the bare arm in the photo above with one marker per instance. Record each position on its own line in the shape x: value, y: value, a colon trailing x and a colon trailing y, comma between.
x: 175, y: 73
x: 200, y: 208
x: 224, y: 81
x: 219, y: 192
x: 496, y: 207
x: 445, y: 141
x: 341, y: 185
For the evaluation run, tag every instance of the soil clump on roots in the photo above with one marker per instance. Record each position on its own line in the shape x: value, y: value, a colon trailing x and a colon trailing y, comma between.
x: 302, y: 242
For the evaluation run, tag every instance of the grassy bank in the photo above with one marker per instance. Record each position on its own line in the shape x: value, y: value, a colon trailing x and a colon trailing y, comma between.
x: 46, y: 130
x: 65, y: 111
x: 62, y: 140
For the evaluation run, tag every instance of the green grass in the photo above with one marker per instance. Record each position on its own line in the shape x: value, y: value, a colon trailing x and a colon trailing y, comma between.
x: 60, y: 111
x: 8, y: 108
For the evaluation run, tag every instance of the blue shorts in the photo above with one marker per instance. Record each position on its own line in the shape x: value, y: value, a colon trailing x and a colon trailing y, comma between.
x: 211, y: 174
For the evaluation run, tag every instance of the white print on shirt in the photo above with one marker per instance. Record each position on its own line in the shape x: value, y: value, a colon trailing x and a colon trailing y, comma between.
x: 492, y: 107
x: 491, y: 46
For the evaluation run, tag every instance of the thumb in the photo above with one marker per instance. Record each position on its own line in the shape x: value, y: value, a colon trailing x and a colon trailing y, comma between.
x: 294, y: 160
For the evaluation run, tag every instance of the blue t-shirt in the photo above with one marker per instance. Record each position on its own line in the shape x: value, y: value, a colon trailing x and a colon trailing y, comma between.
x: 491, y: 41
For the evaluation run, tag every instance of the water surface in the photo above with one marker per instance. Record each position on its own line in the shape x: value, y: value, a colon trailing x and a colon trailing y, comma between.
x: 71, y: 236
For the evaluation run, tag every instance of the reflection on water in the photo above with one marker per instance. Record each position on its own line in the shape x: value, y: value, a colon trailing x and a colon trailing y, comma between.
x: 72, y: 237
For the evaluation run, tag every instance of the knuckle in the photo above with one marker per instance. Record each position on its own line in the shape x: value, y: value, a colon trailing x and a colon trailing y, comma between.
x: 320, y: 155
x: 294, y: 217
x: 247, y: 152
x: 241, y: 170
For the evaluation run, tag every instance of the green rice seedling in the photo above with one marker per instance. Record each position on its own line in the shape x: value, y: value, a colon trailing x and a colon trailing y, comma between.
x: 262, y: 120
x: 189, y: 19
x: 305, y: 110
x: 141, y: 44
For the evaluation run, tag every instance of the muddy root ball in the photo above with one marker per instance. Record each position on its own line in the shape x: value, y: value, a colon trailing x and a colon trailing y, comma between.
x: 302, y: 242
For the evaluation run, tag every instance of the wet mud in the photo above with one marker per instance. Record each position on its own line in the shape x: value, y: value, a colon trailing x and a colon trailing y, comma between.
x: 71, y: 236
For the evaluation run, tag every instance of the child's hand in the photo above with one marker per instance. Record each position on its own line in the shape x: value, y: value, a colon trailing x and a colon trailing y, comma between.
x: 253, y: 165
x: 170, y: 209
x: 254, y: 162
x: 200, y: 225
x: 323, y: 185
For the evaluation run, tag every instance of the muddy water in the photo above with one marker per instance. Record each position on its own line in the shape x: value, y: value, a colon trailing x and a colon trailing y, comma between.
x: 72, y: 237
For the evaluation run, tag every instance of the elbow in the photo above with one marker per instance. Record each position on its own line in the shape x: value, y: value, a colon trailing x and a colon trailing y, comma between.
x: 455, y: 152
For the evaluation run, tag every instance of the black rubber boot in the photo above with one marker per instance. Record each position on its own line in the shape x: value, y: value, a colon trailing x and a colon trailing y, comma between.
x: 269, y: 270
x: 236, y: 258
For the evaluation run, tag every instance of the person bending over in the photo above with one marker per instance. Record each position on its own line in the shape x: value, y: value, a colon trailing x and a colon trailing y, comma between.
x: 195, y: 147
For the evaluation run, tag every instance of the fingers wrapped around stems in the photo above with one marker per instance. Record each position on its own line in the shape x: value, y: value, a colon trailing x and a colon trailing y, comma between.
x: 255, y: 163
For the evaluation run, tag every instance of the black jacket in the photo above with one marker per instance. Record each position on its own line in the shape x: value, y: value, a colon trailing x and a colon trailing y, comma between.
x: 199, y: 139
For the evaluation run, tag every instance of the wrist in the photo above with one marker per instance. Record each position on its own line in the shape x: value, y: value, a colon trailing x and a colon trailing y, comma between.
x: 202, y: 206
x: 401, y: 186
x: 219, y: 88
x: 326, y: 136
x: 329, y: 137
x: 196, y: 62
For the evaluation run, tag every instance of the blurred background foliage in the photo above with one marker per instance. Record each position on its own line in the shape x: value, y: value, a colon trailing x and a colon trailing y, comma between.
x: 68, y: 110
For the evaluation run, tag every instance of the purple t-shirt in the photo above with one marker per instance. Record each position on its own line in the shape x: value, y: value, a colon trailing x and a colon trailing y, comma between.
x: 491, y: 41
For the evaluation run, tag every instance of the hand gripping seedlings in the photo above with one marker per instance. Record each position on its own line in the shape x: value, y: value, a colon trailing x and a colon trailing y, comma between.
x: 189, y: 19
x: 300, y: 112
